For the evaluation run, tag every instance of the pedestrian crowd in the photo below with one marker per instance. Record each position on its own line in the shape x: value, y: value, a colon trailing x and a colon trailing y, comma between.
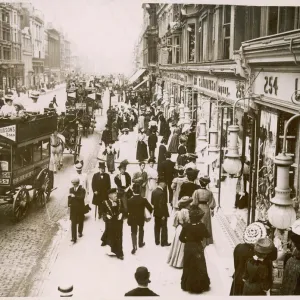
x: 165, y: 186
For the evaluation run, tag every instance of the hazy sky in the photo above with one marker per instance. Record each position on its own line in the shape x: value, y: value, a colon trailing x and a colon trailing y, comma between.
x: 104, y: 30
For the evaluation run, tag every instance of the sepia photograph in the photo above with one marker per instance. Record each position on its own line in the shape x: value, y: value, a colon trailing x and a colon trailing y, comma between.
x: 149, y: 149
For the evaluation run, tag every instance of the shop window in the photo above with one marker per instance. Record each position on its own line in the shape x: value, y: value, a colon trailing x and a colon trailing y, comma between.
x: 281, y: 19
x: 191, y: 42
x: 45, y: 149
x: 226, y: 31
x: 37, y: 152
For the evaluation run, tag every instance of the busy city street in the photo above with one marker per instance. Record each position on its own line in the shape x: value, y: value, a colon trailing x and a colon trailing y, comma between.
x: 149, y: 149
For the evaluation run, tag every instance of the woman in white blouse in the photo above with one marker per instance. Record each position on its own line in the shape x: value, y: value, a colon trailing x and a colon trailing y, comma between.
x: 152, y: 178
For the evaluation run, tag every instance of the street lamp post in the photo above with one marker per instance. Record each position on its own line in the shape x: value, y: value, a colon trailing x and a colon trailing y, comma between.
x: 282, y: 214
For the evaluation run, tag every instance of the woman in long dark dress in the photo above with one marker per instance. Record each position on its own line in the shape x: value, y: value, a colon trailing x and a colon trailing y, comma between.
x: 188, y: 188
x: 258, y: 274
x: 141, y: 151
x: 181, y: 158
x: 194, y: 277
x: 244, y: 251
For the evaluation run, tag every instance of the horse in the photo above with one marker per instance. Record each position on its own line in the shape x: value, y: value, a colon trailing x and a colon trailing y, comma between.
x: 57, y: 149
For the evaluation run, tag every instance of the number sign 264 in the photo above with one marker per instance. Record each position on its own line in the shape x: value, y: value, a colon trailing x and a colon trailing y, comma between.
x: 270, y: 86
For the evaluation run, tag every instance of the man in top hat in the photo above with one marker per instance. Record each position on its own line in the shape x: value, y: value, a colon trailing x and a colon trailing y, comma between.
x: 113, y: 216
x: 162, y: 150
x: 8, y: 110
x: 160, y: 203
x: 191, y: 140
x: 100, y: 186
x: 142, y: 277
x: 34, y: 107
x: 123, y: 183
x: 82, y: 176
x: 76, y: 204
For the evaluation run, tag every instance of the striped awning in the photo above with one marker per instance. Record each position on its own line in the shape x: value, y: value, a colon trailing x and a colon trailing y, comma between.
x: 140, y: 84
x: 136, y: 75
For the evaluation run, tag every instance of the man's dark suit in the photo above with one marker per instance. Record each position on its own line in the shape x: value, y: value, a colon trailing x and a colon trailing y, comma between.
x: 139, y: 292
x: 167, y: 171
x: 136, y: 217
x: 124, y: 196
x: 161, y: 157
x: 152, y: 141
x: 161, y: 214
x: 76, y: 205
x: 101, y: 185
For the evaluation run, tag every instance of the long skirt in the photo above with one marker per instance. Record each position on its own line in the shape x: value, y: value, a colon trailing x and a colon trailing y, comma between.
x: 114, y: 231
x: 110, y: 161
x: 151, y: 186
x: 206, y: 220
x: 141, y: 151
x: 176, y: 254
x: 174, y: 143
x: 194, y: 276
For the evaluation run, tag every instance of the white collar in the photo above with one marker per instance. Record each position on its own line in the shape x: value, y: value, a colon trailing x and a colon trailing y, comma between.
x: 160, y: 187
x: 143, y: 287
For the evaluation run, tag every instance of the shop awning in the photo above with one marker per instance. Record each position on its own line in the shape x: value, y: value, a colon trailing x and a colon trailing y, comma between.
x: 136, y: 75
x: 140, y: 84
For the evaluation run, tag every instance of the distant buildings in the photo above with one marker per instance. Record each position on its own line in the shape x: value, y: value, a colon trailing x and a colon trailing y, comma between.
x: 32, y: 52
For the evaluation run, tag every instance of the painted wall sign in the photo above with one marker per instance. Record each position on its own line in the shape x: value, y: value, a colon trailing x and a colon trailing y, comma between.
x: 280, y: 86
x: 9, y: 132
x: 226, y: 88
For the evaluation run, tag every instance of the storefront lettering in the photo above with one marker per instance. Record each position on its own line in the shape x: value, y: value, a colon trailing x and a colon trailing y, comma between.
x: 271, y: 86
x: 211, y: 85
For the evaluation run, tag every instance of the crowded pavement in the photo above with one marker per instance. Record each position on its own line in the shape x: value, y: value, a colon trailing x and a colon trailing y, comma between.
x: 93, y: 262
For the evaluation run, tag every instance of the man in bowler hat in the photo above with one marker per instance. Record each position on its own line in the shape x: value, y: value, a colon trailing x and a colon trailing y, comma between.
x: 161, y: 213
x: 142, y: 277
x: 76, y: 204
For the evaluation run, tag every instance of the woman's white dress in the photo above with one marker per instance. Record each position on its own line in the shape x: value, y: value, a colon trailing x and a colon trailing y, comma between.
x: 152, y: 182
x: 125, y: 148
x: 176, y: 254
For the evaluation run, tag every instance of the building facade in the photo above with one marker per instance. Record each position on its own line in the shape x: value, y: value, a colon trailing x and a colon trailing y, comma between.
x: 54, y: 54
x: 12, y: 67
x: 27, y: 57
x: 233, y: 70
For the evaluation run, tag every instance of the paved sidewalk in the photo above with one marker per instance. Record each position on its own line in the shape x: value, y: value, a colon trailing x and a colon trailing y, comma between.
x: 92, y: 272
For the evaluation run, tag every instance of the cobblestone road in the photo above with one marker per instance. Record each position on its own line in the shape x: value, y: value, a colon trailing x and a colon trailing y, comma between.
x: 28, y: 247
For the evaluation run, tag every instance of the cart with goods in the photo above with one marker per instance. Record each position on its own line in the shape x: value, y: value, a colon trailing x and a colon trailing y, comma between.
x: 24, y: 162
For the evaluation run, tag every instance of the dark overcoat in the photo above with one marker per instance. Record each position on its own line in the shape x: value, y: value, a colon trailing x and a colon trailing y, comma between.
x: 136, y: 210
x: 76, y: 204
x: 101, y: 184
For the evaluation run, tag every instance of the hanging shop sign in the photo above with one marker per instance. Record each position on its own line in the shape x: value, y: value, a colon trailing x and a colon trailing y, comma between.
x: 229, y: 89
x: 279, y: 86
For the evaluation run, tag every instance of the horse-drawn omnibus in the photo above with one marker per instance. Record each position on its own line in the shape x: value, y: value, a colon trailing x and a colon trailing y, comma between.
x: 24, y: 162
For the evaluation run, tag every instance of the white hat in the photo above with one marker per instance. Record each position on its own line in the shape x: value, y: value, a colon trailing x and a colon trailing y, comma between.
x: 75, y: 180
x: 254, y: 232
x: 78, y: 165
x: 66, y: 290
x: 35, y: 95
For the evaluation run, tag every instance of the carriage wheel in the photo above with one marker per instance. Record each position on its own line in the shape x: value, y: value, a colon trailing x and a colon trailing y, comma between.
x: 21, y: 204
x: 39, y: 197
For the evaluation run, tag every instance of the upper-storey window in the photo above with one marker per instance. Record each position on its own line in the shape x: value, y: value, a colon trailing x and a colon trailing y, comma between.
x: 281, y: 19
x: 191, y: 42
x: 226, y: 31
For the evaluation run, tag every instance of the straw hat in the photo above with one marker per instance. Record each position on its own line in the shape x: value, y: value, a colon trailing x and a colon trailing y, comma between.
x: 184, y: 201
x: 254, y: 232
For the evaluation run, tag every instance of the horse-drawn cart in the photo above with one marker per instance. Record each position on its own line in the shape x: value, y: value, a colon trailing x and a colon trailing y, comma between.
x: 24, y: 162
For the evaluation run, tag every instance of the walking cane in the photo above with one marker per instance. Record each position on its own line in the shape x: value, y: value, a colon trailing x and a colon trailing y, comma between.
x: 96, y: 206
